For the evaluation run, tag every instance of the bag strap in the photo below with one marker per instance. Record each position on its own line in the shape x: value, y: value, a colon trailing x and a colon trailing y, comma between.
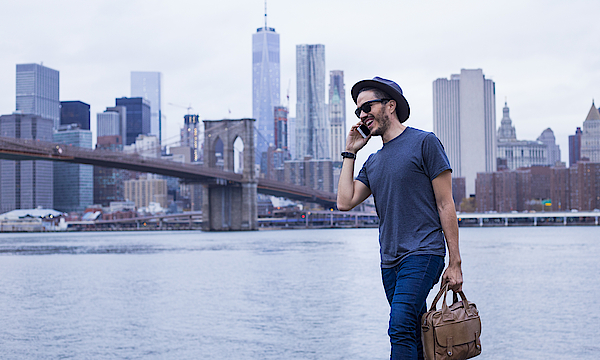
x: 443, y: 290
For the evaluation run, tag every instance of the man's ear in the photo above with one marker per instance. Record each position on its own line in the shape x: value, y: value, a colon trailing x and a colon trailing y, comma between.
x: 393, y: 105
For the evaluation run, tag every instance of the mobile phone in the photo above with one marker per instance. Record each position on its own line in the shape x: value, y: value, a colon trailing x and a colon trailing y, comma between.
x: 363, y: 130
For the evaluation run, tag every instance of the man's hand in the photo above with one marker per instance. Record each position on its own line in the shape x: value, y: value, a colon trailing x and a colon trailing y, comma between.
x: 355, y: 141
x: 453, y: 276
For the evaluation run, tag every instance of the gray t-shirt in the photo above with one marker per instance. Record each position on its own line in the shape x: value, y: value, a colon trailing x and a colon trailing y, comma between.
x: 399, y: 176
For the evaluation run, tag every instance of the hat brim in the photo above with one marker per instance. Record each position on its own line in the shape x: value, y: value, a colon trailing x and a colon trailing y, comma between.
x: 402, y: 108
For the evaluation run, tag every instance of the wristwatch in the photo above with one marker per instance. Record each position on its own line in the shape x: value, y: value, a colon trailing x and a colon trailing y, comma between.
x: 348, y: 154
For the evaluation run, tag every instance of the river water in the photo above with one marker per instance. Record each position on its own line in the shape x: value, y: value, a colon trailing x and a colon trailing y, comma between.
x: 292, y: 294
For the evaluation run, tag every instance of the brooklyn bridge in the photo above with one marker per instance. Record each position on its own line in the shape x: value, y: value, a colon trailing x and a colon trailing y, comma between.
x: 229, y: 197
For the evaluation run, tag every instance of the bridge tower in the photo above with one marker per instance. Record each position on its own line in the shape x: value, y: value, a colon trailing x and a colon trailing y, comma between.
x: 226, y: 205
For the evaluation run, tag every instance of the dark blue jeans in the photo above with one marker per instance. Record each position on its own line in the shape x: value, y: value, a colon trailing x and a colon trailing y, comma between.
x: 406, y: 287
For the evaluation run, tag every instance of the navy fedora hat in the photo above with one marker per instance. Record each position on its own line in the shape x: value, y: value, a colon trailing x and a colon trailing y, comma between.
x: 391, y: 88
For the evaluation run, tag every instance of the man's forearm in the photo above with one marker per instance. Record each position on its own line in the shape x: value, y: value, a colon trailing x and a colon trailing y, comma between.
x: 346, y: 185
x: 450, y: 228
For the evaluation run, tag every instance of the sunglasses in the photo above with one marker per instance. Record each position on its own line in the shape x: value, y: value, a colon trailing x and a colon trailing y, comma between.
x: 366, y: 107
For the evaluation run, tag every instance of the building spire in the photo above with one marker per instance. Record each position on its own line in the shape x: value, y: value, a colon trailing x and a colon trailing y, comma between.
x: 265, y: 14
x: 593, y: 114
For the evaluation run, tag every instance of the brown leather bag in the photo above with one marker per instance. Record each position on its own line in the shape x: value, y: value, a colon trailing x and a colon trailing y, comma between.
x: 452, y: 332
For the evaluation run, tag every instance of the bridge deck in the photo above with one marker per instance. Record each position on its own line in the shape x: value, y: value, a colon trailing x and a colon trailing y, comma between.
x: 26, y: 149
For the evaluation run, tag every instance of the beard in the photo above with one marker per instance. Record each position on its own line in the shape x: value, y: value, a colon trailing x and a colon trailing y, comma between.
x: 383, y: 123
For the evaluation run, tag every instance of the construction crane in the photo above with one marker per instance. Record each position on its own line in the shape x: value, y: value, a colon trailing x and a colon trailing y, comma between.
x: 189, y: 108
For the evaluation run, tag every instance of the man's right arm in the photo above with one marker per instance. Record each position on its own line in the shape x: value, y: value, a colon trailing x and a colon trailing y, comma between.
x: 351, y: 192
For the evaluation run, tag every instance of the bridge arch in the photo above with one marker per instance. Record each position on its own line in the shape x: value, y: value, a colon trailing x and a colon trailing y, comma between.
x: 229, y: 145
x: 238, y: 155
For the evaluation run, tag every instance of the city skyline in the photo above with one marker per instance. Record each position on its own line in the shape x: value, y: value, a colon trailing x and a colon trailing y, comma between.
x: 535, y: 64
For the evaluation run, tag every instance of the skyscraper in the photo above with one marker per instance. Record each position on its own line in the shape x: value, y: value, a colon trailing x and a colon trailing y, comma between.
x: 148, y: 85
x: 38, y: 91
x: 75, y: 112
x: 138, y: 117
x: 464, y: 119
x: 192, y: 135
x: 73, y: 183
x: 590, y: 138
x: 111, y: 122
x: 553, y: 153
x: 26, y: 184
x: 312, y: 125
x: 281, y: 128
x: 265, y: 84
x: 337, y: 113
x: 575, y: 147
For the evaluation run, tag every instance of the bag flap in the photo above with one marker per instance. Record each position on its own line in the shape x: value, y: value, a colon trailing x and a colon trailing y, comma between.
x: 461, y: 332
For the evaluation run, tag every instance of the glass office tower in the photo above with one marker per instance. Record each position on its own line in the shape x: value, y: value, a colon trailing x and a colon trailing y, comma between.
x: 73, y: 183
x: 312, y: 123
x: 265, y: 85
x: 148, y: 85
x: 138, y: 117
x: 37, y: 92
x: 75, y: 112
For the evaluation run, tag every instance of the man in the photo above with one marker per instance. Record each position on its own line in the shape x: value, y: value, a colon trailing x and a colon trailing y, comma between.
x: 410, y: 179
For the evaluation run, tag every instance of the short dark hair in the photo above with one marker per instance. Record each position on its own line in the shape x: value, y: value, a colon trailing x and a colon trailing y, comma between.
x: 380, y: 94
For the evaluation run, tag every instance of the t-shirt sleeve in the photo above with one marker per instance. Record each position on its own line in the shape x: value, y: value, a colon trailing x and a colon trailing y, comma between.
x: 435, y: 160
x: 362, y: 175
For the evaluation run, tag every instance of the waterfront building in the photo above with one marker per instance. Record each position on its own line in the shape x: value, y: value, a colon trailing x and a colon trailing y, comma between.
x: 515, y: 153
x: 192, y: 136
x: 75, y: 112
x: 584, y: 184
x: 337, y: 113
x: 138, y: 117
x: 144, y: 191
x: 314, y: 173
x: 552, y: 149
x: 265, y: 85
x: 312, y: 125
x: 575, y: 147
x: 109, y: 182
x: 559, y: 189
x: 459, y: 191
x: 26, y: 184
x: 73, y: 183
x: 148, y: 85
x: 464, y: 119
x: 502, y: 191
x: 590, y: 138
x: 38, y: 92
x: 540, y: 188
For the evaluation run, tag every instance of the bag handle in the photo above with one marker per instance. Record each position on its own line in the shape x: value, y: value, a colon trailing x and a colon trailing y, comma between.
x: 443, y: 291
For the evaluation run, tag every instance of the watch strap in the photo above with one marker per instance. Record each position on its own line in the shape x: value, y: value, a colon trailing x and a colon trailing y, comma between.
x: 348, y: 154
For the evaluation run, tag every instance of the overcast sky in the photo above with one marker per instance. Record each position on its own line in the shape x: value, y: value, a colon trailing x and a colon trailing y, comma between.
x: 543, y: 55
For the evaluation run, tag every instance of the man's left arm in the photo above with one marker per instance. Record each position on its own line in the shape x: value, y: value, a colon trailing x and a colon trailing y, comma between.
x: 442, y: 188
